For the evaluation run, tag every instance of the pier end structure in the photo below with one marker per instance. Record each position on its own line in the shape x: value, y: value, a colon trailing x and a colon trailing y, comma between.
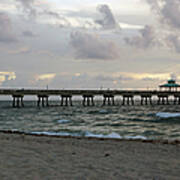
x: 171, y: 85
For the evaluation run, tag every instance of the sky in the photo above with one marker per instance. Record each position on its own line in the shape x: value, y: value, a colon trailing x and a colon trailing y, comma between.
x: 132, y: 44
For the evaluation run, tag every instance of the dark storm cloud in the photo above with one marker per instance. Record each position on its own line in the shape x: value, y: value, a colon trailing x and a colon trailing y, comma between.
x: 171, y: 13
x: 33, y: 11
x: 91, y: 46
x: 6, y: 31
x: 168, y: 12
x: 108, y: 21
x: 145, y: 40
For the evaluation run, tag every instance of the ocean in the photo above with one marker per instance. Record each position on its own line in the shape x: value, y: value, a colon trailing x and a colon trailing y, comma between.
x: 122, y: 122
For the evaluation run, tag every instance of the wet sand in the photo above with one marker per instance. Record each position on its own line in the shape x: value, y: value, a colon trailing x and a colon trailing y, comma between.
x: 41, y: 157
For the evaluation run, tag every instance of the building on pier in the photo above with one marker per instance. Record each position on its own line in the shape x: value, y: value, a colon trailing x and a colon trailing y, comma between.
x: 171, y: 85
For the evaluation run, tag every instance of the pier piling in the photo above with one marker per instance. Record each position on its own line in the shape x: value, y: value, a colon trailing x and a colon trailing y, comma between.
x: 88, y: 100
x: 43, y: 100
x: 66, y: 100
x: 108, y: 100
x: 18, y: 101
x: 128, y: 100
x: 146, y: 99
x: 177, y: 99
x: 163, y: 100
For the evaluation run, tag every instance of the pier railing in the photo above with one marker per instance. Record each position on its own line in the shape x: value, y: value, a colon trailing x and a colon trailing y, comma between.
x: 81, y: 92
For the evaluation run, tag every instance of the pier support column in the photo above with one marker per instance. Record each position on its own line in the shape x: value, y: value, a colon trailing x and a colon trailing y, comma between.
x: 163, y: 100
x: 177, y: 99
x: 128, y: 100
x: 108, y: 100
x: 146, y: 99
x: 66, y: 100
x: 18, y: 101
x: 43, y: 100
x: 88, y: 100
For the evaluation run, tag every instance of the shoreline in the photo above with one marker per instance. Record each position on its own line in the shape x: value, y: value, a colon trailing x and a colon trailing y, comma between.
x: 155, y: 141
x: 25, y: 156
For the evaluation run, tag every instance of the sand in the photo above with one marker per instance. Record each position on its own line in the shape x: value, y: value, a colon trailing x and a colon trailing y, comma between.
x: 32, y: 157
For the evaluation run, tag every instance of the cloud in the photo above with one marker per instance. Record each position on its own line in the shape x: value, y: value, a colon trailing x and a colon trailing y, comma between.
x: 36, y: 10
x: 108, y: 21
x: 91, y: 46
x: 12, y: 79
x: 28, y: 7
x: 29, y: 34
x: 146, y: 39
x: 6, y: 30
x: 174, y: 42
x: 19, y: 80
x: 168, y: 13
x: 171, y: 13
x: 6, y: 76
x: 55, y: 17
x: 166, y: 33
x: 48, y: 76
x: 22, y: 50
x: 103, y: 78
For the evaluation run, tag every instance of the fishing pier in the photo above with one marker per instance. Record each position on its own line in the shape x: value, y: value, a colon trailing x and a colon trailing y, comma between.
x: 125, y: 97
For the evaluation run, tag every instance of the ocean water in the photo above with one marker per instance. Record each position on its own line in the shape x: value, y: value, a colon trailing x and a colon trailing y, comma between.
x: 124, y: 122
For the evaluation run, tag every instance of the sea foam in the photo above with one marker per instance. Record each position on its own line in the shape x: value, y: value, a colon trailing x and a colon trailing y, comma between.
x: 167, y: 115
x: 63, y: 121
x: 112, y: 135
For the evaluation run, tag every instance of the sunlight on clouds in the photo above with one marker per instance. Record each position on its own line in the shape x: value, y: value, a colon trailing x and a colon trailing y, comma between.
x: 115, y: 82
x: 7, y: 7
x: 140, y: 76
x: 4, y: 76
x: 21, y: 50
x: 77, y: 74
x: 45, y: 77
x: 151, y: 76
x: 130, y: 26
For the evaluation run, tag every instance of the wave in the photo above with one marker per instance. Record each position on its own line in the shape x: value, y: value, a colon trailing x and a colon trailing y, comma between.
x: 63, y: 121
x: 112, y: 135
x: 167, y: 115
x: 102, y: 111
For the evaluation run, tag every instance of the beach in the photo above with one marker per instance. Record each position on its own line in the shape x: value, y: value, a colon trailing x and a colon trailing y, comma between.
x: 42, y: 157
